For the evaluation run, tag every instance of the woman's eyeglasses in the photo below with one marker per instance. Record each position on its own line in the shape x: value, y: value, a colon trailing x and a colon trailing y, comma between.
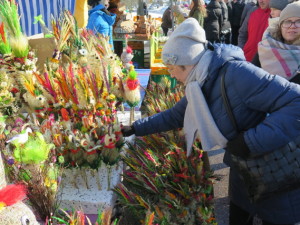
x: 289, y: 23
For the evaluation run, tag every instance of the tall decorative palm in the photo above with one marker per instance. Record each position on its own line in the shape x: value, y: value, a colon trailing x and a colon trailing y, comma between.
x: 160, y: 177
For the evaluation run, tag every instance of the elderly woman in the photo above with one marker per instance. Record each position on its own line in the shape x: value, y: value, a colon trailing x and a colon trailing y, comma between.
x: 279, y: 51
x: 266, y: 109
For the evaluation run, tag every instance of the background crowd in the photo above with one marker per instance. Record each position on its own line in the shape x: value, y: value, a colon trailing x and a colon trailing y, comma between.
x: 237, y: 22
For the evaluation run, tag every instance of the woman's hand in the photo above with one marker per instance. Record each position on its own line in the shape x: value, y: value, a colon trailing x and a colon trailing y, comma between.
x: 128, y: 130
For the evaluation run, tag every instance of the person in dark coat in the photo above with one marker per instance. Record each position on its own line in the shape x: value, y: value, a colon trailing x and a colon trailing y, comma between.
x: 225, y: 36
x: 166, y: 20
x: 235, y: 19
x: 229, y: 7
x: 266, y: 108
x: 214, y: 21
x: 250, y: 7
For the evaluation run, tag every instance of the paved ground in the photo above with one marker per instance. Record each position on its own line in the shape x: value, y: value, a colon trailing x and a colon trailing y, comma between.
x: 221, y: 186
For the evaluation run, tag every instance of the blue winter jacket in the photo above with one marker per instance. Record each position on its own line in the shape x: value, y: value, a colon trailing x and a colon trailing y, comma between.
x: 100, y: 22
x: 253, y: 93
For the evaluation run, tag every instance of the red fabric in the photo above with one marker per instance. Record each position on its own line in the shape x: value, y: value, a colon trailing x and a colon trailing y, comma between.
x: 258, y: 23
x: 12, y: 194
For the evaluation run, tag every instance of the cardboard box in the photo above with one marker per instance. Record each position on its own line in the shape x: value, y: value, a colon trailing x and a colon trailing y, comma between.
x: 43, y: 47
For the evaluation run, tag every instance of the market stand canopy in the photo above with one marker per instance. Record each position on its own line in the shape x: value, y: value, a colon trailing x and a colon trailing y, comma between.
x: 29, y: 10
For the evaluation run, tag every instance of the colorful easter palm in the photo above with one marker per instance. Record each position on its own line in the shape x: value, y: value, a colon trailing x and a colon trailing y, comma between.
x: 10, y: 17
x: 31, y: 163
x: 160, y: 178
x: 4, y: 44
x: 163, y: 180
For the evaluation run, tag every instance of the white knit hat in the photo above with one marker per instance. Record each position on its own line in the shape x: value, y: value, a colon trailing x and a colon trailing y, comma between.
x: 186, y: 44
x: 291, y: 10
x: 279, y: 4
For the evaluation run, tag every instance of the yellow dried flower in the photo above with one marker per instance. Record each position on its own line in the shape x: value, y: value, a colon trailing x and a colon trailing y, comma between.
x: 104, y: 94
x: 111, y: 97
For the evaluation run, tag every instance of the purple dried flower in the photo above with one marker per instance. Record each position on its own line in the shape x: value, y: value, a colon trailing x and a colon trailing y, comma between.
x: 10, y: 161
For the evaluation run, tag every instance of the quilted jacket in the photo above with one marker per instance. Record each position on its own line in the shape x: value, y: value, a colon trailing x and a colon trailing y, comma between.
x: 100, y: 22
x: 265, y: 106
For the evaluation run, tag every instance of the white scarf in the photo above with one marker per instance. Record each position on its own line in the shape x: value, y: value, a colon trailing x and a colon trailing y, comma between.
x: 198, y: 121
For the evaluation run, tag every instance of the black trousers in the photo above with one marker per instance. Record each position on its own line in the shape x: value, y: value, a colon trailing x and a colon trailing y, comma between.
x: 238, y: 216
x: 165, y: 30
x: 235, y: 34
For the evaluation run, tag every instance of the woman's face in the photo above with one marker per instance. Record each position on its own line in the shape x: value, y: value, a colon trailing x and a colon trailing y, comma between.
x: 275, y: 12
x: 180, y: 73
x: 290, y: 29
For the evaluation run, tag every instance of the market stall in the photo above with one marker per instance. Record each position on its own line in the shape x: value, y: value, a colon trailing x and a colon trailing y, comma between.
x: 158, y: 69
x: 134, y: 30
x: 60, y: 133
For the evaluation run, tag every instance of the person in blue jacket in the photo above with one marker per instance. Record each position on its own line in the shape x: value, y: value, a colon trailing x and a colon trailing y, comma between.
x: 101, y: 20
x: 266, y: 108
